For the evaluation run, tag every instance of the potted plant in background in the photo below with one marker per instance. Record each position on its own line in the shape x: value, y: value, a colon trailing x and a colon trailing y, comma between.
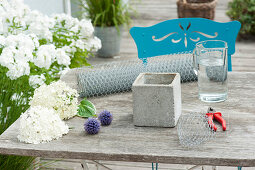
x: 108, y: 18
x: 196, y: 8
x: 243, y: 11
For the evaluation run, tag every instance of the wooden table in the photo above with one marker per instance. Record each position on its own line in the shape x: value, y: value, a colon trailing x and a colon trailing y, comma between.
x: 122, y: 141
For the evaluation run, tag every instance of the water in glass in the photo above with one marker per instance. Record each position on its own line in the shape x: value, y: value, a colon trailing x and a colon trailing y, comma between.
x: 212, y: 82
x: 211, y: 68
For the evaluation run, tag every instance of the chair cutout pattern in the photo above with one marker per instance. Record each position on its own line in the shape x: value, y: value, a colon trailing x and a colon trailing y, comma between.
x: 180, y: 36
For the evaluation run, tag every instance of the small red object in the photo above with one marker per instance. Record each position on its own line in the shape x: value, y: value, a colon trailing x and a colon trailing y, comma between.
x: 212, y: 114
x: 218, y: 117
x: 210, y: 121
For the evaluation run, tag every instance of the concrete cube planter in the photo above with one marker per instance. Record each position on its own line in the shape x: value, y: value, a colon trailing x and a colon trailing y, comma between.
x: 157, y: 99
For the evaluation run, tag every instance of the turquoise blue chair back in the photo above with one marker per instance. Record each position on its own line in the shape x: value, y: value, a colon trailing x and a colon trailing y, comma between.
x: 180, y: 35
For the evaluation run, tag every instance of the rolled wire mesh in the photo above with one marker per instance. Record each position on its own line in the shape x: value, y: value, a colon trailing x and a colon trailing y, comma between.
x: 118, y: 77
x: 194, y: 129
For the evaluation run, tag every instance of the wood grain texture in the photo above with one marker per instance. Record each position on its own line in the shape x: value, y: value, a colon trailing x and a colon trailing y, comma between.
x: 122, y: 141
x: 151, y: 12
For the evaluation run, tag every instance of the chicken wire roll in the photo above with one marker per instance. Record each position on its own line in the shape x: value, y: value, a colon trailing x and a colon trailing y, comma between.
x: 116, y: 77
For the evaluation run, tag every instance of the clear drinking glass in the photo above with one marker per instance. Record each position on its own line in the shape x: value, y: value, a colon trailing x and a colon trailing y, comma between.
x: 211, y: 67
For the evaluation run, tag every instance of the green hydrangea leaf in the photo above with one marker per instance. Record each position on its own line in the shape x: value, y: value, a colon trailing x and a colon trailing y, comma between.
x: 86, y: 109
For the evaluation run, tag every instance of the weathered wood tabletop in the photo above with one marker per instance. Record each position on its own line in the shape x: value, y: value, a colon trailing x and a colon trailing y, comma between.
x: 122, y: 141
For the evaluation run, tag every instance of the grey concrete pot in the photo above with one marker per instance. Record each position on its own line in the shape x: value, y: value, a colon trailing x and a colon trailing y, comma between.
x: 156, y: 99
x: 110, y: 39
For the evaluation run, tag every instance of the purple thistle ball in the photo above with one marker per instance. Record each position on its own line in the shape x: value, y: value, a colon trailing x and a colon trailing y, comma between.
x: 105, y: 117
x: 92, y: 126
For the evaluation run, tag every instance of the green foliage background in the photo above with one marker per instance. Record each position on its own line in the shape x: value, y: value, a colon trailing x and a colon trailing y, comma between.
x: 10, y: 111
x: 105, y: 13
x: 243, y: 11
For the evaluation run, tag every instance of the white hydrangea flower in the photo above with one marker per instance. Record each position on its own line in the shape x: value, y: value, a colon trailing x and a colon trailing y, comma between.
x: 35, y: 39
x: 58, y: 96
x: 11, y: 40
x: 1, y: 24
x: 36, y: 80
x: 24, y: 42
x: 16, y: 54
x: 69, y: 21
x: 69, y: 49
x: 14, y: 11
x: 45, y: 56
x: 95, y: 44
x: 62, y: 57
x: 2, y: 40
x: 21, y: 46
x: 80, y: 44
x: 39, y: 125
x: 18, y: 69
x: 86, y: 28
x: 6, y: 58
x: 27, y: 39
x: 40, y: 25
x: 75, y: 29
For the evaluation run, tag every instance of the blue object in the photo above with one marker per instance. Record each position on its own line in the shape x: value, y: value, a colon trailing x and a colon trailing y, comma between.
x: 152, y: 164
x: 239, y: 168
x: 181, y: 35
x: 92, y: 126
x: 105, y: 117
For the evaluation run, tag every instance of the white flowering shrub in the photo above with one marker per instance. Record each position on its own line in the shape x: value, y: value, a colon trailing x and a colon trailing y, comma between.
x: 58, y: 96
x: 34, y: 44
x: 34, y: 50
x: 40, y: 124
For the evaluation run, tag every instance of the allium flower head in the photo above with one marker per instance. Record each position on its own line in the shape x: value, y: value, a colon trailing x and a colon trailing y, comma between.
x: 92, y: 126
x: 105, y: 117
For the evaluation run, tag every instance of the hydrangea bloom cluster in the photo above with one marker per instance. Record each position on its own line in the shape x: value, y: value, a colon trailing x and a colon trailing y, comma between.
x: 40, y: 125
x: 36, y: 80
x: 58, y: 96
x: 17, y: 52
x: 33, y: 44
